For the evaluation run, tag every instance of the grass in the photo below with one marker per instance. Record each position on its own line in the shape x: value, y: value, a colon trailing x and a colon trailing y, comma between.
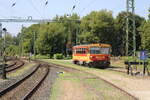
x: 21, y: 70
x: 68, y: 63
x: 120, y: 63
x: 105, y: 90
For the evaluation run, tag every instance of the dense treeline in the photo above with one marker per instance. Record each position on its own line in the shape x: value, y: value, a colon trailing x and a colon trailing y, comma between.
x: 97, y: 27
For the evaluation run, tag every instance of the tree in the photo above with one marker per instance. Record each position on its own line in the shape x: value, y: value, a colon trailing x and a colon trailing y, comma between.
x: 26, y: 37
x: 51, y: 38
x: 97, y: 27
x: 11, y: 45
x: 145, y: 35
x: 72, y: 27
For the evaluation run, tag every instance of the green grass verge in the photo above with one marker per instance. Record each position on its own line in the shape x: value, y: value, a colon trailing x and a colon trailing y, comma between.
x: 21, y: 70
x: 130, y: 58
x: 68, y: 63
x: 106, y: 91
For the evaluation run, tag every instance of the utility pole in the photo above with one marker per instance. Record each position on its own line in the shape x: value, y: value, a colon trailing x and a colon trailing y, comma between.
x: 0, y: 30
x: 20, y: 43
x: 130, y: 44
x: 149, y: 13
x: 34, y: 45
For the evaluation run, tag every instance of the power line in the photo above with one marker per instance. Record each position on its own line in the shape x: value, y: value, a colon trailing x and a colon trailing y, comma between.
x: 74, y: 6
x: 89, y: 4
x: 38, y: 12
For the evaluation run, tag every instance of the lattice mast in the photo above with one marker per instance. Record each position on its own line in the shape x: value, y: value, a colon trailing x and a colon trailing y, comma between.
x: 130, y: 28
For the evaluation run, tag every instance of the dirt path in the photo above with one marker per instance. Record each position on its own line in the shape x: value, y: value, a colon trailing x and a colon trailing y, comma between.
x: 72, y: 91
x: 139, y: 87
x: 71, y: 86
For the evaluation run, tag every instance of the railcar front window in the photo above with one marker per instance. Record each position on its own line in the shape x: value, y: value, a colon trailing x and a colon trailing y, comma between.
x: 105, y: 50
x: 99, y: 50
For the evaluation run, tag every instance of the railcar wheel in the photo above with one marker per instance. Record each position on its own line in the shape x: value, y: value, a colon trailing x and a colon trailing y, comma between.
x: 75, y: 62
x: 84, y: 63
x: 90, y: 65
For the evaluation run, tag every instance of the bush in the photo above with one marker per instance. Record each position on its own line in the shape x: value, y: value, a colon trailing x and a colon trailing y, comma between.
x: 58, y: 56
x: 68, y: 58
x: 42, y: 57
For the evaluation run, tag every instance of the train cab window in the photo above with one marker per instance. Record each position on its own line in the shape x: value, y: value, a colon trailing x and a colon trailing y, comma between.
x: 94, y: 50
x: 99, y: 50
x: 105, y: 50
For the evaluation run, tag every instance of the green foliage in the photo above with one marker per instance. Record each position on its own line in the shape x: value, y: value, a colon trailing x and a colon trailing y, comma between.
x: 68, y: 57
x: 145, y: 35
x: 58, y: 56
x: 12, y: 50
x: 120, y: 32
x: 42, y: 57
x: 97, y: 27
x: 51, y: 39
x: 11, y: 45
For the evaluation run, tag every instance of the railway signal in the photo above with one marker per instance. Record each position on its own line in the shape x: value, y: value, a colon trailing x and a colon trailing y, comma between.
x: 3, y: 72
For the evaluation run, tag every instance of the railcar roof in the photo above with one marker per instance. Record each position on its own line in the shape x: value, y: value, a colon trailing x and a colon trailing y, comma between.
x: 100, y: 44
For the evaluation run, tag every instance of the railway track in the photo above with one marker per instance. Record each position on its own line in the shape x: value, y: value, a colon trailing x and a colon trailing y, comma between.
x: 16, y: 65
x: 122, y: 70
x: 24, y: 88
x: 12, y: 64
x: 98, y: 77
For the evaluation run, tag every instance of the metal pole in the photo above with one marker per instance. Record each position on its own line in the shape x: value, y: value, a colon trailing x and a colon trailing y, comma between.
x: 21, y: 41
x: 130, y: 6
x: 34, y: 47
x: 76, y: 36
x: 127, y: 29
x: 149, y: 13
x: 0, y: 30
x: 20, y: 46
x: 134, y: 28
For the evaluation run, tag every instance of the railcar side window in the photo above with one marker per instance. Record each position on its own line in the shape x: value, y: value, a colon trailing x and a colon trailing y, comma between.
x: 80, y: 51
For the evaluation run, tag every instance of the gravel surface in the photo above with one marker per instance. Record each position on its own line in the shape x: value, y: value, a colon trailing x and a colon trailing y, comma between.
x: 21, y: 90
x: 44, y: 92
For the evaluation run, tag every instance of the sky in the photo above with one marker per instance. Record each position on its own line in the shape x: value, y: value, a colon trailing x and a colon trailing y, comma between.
x: 38, y: 10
